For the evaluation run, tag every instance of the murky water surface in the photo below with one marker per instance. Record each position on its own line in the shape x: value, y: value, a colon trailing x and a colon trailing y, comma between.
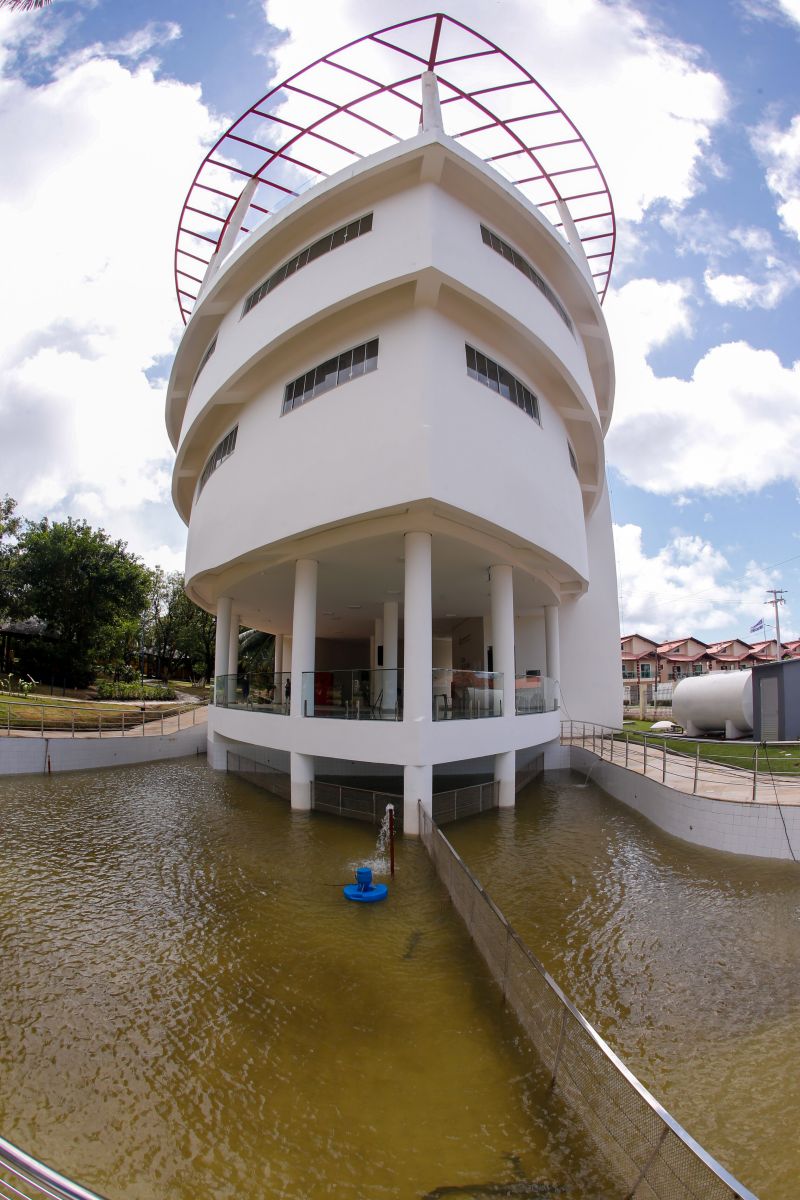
x: 189, y: 1008
x: 687, y: 961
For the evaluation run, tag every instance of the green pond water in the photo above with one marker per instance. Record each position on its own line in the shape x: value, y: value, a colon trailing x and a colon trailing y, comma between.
x: 189, y: 1008
x: 686, y: 961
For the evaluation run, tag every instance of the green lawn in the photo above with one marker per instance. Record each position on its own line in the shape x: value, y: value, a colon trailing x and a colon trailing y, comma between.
x: 783, y: 758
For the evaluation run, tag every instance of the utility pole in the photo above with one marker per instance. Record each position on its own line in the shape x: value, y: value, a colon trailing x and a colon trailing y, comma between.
x: 777, y: 595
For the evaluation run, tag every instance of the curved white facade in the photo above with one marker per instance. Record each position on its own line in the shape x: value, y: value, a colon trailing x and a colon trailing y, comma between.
x: 410, y: 516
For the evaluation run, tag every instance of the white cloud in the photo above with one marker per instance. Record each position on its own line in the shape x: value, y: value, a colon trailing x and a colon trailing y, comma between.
x: 742, y: 292
x: 782, y: 10
x: 779, y: 151
x: 624, y: 84
x: 102, y: 156
x: 734, y: 426
x: 686, y: 587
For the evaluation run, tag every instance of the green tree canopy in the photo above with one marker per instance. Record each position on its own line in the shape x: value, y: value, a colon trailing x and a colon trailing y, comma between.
x: 81, y: 584
x: 10, y: 525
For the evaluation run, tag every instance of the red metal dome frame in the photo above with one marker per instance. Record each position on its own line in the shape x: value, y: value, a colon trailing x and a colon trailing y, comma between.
x: 365, y: 96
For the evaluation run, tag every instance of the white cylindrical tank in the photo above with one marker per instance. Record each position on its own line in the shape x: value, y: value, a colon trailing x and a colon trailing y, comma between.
x: 722, y: 700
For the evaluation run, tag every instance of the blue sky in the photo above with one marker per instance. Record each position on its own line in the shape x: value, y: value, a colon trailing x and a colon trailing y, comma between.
x: 693, y: 110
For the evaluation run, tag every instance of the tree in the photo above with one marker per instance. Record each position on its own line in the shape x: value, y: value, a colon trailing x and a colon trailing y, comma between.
x: 80, y: 583
x: 195, y: 636
x: 10, y: 525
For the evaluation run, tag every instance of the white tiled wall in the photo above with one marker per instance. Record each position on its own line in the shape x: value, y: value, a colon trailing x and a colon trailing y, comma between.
x: 26, y: 756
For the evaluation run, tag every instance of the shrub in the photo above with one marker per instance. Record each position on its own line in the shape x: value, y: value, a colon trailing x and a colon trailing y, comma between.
x: 108, y: 690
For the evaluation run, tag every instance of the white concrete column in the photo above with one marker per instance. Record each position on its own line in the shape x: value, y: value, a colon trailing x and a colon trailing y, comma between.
x: 390, y: 637
x: 278, y: 654
x: 302, y: 777
x: 552, y: 647
x: 233, y: 657
x: 417, y: 785
x: 505, y: 769
x: 304, y: 632
x: 418, y: 664
x: 502, y: 596
x: 222, y: 642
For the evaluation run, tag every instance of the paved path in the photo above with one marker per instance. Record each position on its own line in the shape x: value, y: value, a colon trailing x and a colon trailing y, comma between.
x: 680, y: 772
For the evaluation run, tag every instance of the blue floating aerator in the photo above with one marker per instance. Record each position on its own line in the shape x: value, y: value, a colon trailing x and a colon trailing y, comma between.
x: 364, y: 891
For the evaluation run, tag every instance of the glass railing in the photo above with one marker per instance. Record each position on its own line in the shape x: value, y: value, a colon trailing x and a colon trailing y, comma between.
x: 535, y: 694
x: 257, y: 691
x: 354, y: 695
x: 460, y: 695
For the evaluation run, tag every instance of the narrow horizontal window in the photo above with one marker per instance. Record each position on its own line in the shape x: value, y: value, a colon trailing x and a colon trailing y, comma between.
x: 217, y: 456
x: 359, y: 360
x: 522, y: 264
x: 484, y: 370
x: 322, y: 246
x: 209, y: 351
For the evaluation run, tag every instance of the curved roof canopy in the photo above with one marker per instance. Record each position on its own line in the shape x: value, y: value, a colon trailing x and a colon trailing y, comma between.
x: 367, y: 95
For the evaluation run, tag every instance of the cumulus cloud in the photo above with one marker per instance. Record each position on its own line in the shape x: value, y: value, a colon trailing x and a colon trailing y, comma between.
x: 779, y: 151
x: 686, y: 587
x: 102, y: 154
x: 734, y: 426
x: 742, y: 292
x: 623, y: 82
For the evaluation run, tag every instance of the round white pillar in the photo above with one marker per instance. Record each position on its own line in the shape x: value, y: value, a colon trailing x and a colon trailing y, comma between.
x: 233, y: 657
x: 417, y: 785
x: 418, y: 641
x: 222, y: 645
x: 302, y: 779
x: 552, y: 648
x: 304, y: 632
x: 390, y: 637
x: 502, y: 597
x: 505, y: 771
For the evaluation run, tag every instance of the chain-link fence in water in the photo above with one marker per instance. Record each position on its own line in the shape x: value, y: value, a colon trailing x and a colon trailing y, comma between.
x: 645, y: 1150
x: 261, y: 774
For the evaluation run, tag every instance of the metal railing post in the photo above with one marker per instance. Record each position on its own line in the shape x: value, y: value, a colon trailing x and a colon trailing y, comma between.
x: 755, y: 774
x: 162, y: 722
x: 627, y: 747
x: 696, y: 766
x: 594, y: 751
x: 73, y: 722
x: 41, y: 714
x: 644, y: 764
x: 99, y: 724
x: 142, y: 720
x: 612, y: 745
x: 664, y: 764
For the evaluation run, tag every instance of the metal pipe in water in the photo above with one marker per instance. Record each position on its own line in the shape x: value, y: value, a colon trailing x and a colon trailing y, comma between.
x: 390, y: 811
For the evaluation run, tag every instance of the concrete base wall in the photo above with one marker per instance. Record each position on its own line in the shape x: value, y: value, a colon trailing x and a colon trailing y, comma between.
x: 29, y: 756
x: 752, y: 829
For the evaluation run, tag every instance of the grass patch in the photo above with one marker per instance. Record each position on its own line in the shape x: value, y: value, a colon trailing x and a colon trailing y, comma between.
x: 783, y: 759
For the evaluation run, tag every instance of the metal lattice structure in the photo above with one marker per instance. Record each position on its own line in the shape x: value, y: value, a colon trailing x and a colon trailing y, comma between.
x: 366, y: 96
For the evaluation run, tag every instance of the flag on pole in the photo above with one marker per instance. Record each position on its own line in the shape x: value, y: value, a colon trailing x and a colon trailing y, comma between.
x: 758, y: 625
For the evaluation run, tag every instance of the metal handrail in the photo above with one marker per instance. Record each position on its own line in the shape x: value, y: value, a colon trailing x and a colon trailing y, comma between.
x: 47, y: 1182
x: 119, y: 721
x: 534, y: 1022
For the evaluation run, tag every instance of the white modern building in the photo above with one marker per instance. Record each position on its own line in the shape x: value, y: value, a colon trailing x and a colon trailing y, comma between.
x: 388, y: 409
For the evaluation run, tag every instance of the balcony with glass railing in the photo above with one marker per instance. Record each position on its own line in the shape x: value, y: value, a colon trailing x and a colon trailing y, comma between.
x: 256, y: 691
x: 354, y: 695
x: 535, y: 694
x: 460, y: 695
x: 377, y: 695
